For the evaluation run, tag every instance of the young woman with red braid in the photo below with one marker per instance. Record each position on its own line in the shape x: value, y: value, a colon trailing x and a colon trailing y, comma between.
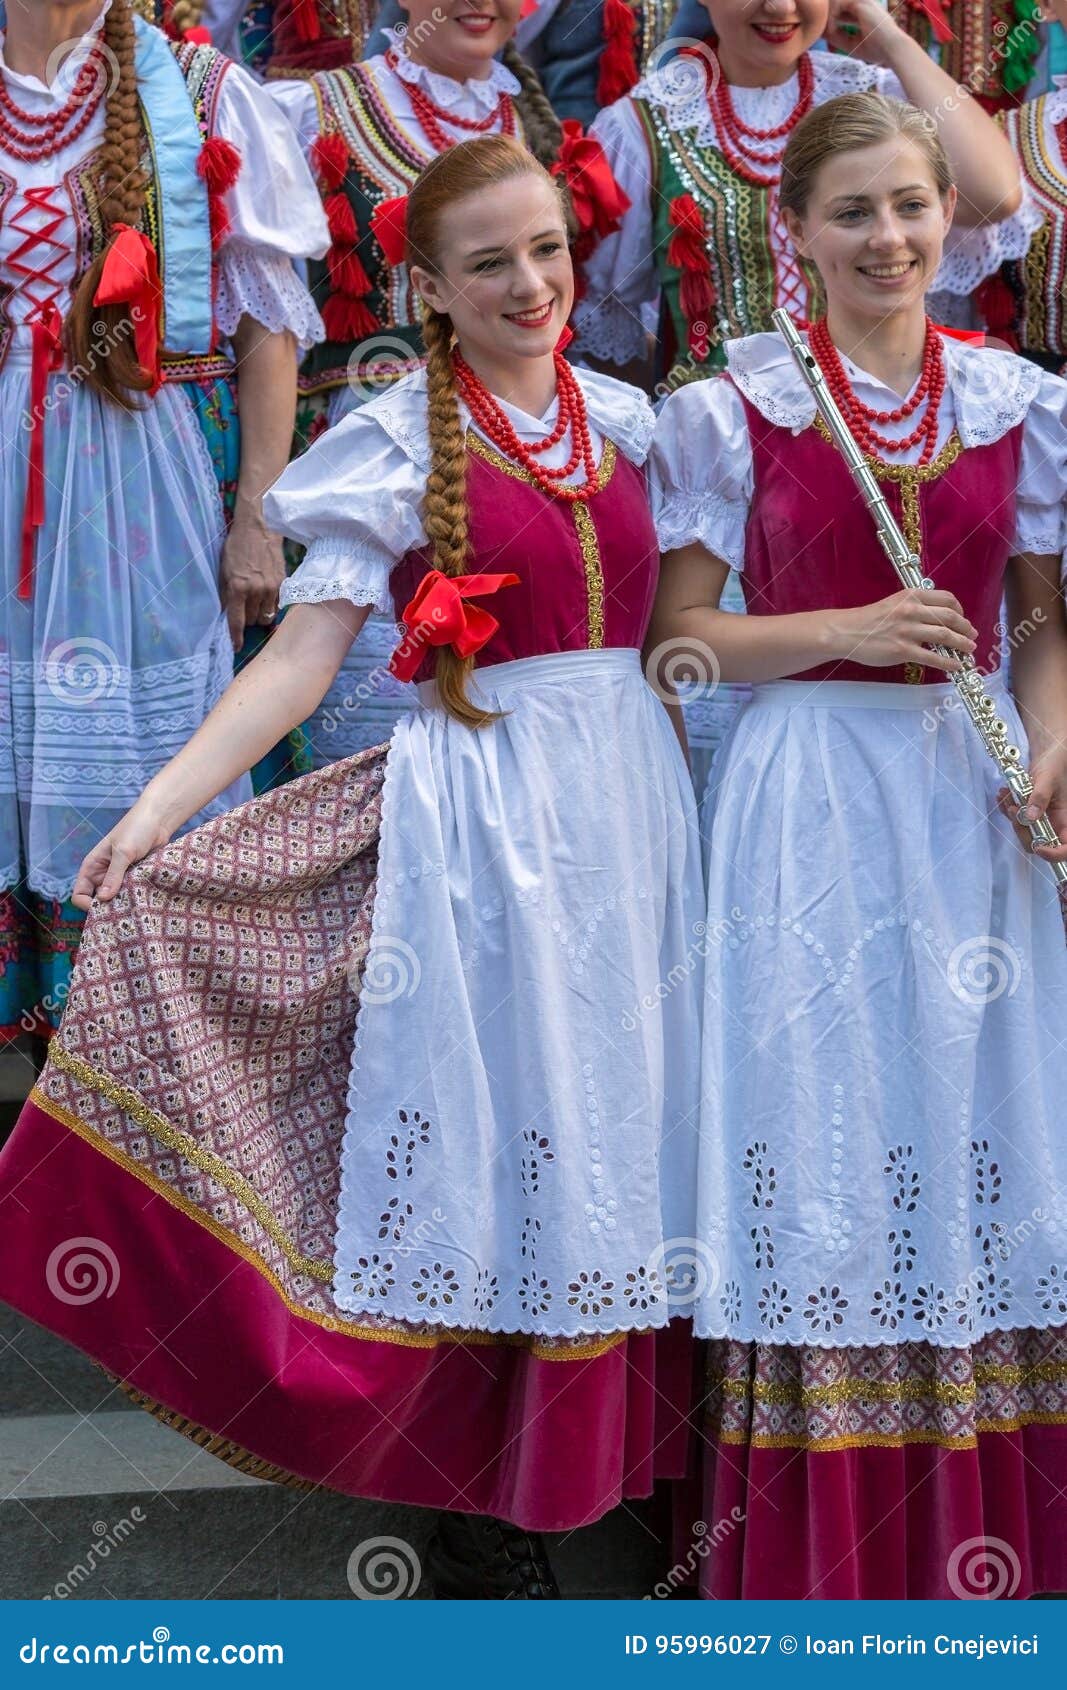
x: 136, y: 177
x: 444, y: 1270
x: 368, y: 130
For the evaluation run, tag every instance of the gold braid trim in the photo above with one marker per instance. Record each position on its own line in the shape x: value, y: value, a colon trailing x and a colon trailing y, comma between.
x: 908, y: 476
x: 583, y: 522
x: 408, y: 1337
x: 888, y: 1440
x: 888, y: 1390
x: 132, y: 1104
x: 223, y: 1448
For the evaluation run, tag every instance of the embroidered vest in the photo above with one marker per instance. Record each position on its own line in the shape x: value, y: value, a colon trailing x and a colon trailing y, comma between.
x: 986, y: 39
x: 745, y: 285
x: 587, y: 572
x: 810, y: 543
x: 381, y: 338
x: 1037, y: 307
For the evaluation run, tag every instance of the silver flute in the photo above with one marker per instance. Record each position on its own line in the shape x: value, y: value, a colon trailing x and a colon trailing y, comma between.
x: 967, y: 680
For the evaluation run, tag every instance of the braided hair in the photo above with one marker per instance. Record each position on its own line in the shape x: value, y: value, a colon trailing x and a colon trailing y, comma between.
x: 185, y: 14
x: 454, y: 174
x: 100, y: 337
x: 544, y: 134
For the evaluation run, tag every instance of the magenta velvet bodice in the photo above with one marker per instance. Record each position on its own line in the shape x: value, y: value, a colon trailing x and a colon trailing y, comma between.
x: 587, y: 574
x: 811, y: 544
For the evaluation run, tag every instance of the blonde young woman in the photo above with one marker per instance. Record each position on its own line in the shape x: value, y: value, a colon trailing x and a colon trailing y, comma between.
x: 436, y: 1248
x: 883, y: 1185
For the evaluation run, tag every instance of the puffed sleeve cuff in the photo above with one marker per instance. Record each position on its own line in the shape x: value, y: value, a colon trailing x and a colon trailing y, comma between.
x: 718, y: 524
x: 1040, y: 525
x: 354, y: 499
x: 336, y: 567
x: 264, y: 285
x: 274, y: 203
x: 609, y: 330
x: 971, y: 255
x: 700, y: 471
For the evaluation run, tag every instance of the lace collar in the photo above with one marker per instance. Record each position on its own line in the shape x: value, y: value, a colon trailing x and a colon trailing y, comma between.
x: 618, y: 411
x: 60, y: 88
x: 1056, y: 101
x: 481, y: 93
x: 678, y: 89
x: 991, y: 390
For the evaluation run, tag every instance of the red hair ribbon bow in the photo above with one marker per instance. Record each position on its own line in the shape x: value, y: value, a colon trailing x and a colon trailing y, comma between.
x: 437, y: 615
x: 130, y: 277
x: 389, y: 224
x: 599, y: 203
x: 970, y: 337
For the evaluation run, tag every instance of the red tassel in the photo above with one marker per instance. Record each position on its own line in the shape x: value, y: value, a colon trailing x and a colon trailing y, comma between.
x: 997, y: 308
x: 347, y: 274
x: 306, y: 20
x: 348, y: 319
x: 618, y: 61
x: 218, y: 165
x: 219, y: 216
x: 687, y: 251
x: 331, y: 160
x: 341, y: 218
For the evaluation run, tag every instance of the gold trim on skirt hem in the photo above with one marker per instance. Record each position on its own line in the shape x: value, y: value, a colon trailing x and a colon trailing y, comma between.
x: 889, y: 1440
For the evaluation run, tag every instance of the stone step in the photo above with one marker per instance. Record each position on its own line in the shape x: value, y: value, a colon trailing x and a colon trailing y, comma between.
x: 108, y: 1505
x: 42, y: 1374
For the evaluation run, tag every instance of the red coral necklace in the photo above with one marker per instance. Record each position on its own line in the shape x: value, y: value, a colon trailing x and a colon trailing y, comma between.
x: 496, y: 426
x: 737, y: 139
x: 431, y: 117
x: 27, y: 136
x: 861, y: 418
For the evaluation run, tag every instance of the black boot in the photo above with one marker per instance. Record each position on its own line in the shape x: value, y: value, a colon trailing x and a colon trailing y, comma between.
x: 474, y: 1556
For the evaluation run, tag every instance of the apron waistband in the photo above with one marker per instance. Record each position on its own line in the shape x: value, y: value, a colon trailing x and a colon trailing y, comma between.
x: 498, y: 679
x: 870, y: 695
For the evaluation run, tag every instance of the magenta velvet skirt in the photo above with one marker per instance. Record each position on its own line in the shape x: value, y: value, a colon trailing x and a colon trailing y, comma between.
x: 887, y: 1473
x: 168, y: 1197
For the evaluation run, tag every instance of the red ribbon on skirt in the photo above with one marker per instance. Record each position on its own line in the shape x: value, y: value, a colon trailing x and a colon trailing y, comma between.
x: 46, y: 357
